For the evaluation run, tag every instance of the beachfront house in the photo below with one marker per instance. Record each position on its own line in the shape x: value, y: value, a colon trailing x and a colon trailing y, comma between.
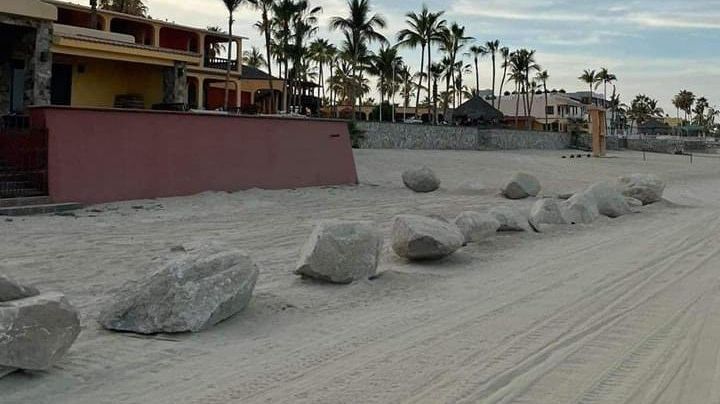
x: 561, y: 114
x: 51, y: 54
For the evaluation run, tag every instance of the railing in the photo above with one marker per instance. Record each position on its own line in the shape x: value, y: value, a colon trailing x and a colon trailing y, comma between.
x: 220, y: 63
x: 23, y: 159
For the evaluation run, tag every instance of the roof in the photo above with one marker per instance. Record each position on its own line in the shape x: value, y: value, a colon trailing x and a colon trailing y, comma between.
x: 29, y: 8
x: 477, y: 109
x: 253, y: 73
x: 81, y: 7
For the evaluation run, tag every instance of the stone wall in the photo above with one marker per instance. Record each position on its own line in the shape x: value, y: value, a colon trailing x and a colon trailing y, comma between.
x: 175, y: 84
x: 425, y: 137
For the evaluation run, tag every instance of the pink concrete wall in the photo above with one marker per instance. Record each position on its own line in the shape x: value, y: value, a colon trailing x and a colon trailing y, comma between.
x: 99, y: 155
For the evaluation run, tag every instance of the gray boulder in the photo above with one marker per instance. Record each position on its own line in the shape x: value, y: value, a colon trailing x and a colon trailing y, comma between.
x: 11, y: 290
x: 476, y: 226
x: 521, y: 185
x: 546, y: 211
x: 646, y: 188
x: 423, y: 238
x: 190, y: 293
x: 510, y: 219
x: 421, y: 180
x: 4, y: 371
x: 580, y: 209
x: 36, y: 332
x: 610, y: 202
x: 341, y: 252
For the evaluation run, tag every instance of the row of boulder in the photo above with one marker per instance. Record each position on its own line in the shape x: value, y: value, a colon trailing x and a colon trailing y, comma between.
x: 205, y: 284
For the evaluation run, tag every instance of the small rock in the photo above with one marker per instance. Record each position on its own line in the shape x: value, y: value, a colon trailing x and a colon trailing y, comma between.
x: 37, y: 331
x: 633, y: 203
x: 476, y: 226
x: 646, y: 188
x: 510, y: 219
x: 423, y: 238
x: 565, y: 196
x: 610, y: 202
x: 11, y: 290
x: 190, y: 293
x: 341, y: 252
x: 421, y: 180
x: 521, y: 185
x: 546, y: 211
x: 178, y: 248
x: 8, y: 220
x: 580, y: 209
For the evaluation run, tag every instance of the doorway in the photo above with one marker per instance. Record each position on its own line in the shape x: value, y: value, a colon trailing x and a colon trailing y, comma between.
x: 61, y: 84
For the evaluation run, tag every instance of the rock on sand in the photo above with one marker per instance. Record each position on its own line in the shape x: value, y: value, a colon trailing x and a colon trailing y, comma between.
x: 423, y: 238
x: 521, y: 186
x: 510, y: 219
x: 580, y: 209
x: 546, y: 211
x: 421, y: 180
x: 36, y: 332
x: 476, y: 226
x: 646, y: 188
x: 11, y: 290
x: 341, y: 252
x: 191, y: 293
x: 610, y: 202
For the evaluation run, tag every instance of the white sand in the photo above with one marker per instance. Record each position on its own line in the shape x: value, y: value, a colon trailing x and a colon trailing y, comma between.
x: 624, y: 310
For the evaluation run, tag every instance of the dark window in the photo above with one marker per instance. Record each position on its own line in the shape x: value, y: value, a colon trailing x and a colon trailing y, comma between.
x: 61, y: 84
x: 550, y: 110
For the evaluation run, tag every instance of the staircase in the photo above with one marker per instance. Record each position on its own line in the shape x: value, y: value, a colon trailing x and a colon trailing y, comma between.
x: 20, y: 196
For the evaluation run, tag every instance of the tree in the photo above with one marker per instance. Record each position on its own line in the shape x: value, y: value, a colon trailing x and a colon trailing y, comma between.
x: 477, y: 51
x: 408, y: 87
x: 360, y: 27
x: 543, y: 77
x: 452, y: 41
x: 215, y: 48
x: 604, y: 77
x: 436, y: 71
x: 642, y: 109
x: 265, y: 27
x: 412, y: 38
x: 254, y: 58
x: 522, y: 63
x: 385, y: 66
x: 589, y: 77
x: 492, y: 49
x: 283, y: 12
x: 322, y: 52
x: 505, y: 53
x: 684, y: 101
x: 231, y: 6
x: 133, y: 7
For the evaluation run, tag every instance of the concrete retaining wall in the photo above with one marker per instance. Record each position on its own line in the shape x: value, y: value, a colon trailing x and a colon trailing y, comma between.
x: 424, y: 137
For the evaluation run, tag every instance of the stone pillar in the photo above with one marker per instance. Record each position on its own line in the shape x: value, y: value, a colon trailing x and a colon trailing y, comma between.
x: 4, y: 88
x: 41, y: 67
x: 175, y: 84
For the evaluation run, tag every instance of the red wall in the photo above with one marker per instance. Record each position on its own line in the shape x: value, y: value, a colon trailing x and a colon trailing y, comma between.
x: 99, y: 156
x: 216, y: 98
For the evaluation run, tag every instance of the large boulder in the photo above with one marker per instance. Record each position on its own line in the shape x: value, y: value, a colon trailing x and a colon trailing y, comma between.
x: 341, y: 252
x: 423, y: 238
x: 476, y: 226
x: 422, y: 179
x: 4, y: 371
x: 11, y: 290
x: 581, y: 208
x: 633, y: 203
x: 510, y: 219
x: 521, y: 186
x: 37, y: 331
x: 610, y: 202
x: 190, y: 293
x: 646, y: 188
x: 546, y: 211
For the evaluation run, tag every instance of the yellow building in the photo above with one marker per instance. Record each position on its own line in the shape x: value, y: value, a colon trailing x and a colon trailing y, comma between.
x: 123, y: 61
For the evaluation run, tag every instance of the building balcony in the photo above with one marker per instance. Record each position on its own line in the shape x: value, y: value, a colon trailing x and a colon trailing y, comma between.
x: 220, y: 63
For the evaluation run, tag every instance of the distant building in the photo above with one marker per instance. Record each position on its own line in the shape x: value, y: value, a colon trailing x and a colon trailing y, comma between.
x: 587, y: 97
x: 50, y: 54
x: 562, y: 111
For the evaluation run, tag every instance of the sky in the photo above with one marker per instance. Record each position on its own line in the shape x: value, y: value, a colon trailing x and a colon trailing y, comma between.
x: 655, y: 47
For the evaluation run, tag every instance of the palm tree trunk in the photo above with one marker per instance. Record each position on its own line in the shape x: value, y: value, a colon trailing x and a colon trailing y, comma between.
x: 229, y: 55
x: 547, y: 122
x: 477, y: 77
x: 517, y: 103
x: 431, y: 100
x: 493, y: 79
x: 420, y: 80
x: 502, y: 84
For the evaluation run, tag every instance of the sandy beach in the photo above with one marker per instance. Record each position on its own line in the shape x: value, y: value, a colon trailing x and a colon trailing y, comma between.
x: 623, y: 310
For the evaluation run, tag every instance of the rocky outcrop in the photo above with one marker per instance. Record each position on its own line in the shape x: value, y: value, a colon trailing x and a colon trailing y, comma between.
x: 646, y: 188
x: 421, y: 180
x: 424, y: 238
x: 521, y: 185
x: 36, y: 332
x: 341, y: 252
x: 191, y: 293
x: 476, y: 226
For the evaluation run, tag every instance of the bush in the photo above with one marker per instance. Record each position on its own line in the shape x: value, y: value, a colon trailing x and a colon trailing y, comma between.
x: 356, y: 134
x: 386, y: 112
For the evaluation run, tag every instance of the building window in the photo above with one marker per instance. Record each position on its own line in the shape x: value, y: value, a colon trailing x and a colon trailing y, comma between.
x: 550, y: 110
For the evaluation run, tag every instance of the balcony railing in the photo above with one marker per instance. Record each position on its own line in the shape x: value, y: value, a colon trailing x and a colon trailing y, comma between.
x: 220, y: 63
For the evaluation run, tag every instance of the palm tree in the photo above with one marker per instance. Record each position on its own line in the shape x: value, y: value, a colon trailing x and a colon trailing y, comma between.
x: 477, y: 52
x: 384, y: 65
x: 133, y: 7
x: 359, y: 27
x: 414, y: 36
x: 254, y: 58
x: 407, y: 89
x: 543, y: 77
x: 322, y: 52
x: 492, y: 49
x: 589, y: 77
x: 265, y: 27
x: 436, y: 71
x: 505, y: 53
x: 304, y: 25
x: 604, y: 77
x: 452, y: 41
x: 231, y: 6
x: 522, y: 62
x: 215, y: 48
